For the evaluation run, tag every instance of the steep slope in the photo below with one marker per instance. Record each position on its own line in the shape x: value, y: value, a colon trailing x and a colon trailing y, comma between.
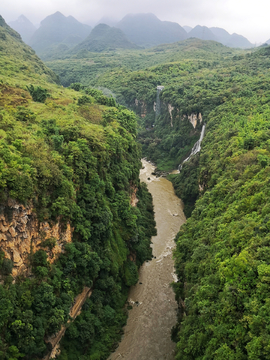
x: 56, y: 29
x: 103, y: 37
x: 239, y: 41
x: 27, y: 62
x: 234, y: 40
x: 24, y: 27
x: 222, y: 256
x: 147, y: 30
x: 222, y: 35
x: 202, y: 32
x: 69, y: 174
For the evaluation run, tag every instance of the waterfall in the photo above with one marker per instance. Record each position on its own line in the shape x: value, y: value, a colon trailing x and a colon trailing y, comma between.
x: 158, y: 107
x: 196, y: 148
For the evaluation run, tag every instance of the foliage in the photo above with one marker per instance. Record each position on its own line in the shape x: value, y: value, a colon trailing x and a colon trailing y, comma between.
x: 38, y: 93
x: 222, y: 255
x: 78, y: 164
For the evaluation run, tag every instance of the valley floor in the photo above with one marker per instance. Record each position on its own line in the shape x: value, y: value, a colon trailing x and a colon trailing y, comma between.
x: 148, y: 330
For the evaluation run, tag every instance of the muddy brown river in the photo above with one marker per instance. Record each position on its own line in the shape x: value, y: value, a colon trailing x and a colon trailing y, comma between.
x: 148, y: 330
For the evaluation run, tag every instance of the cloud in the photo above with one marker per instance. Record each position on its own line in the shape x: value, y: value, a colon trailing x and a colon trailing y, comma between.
x: 246, y: 17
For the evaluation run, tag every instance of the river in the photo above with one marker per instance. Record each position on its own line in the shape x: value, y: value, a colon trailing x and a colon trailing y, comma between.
x: 148, y: 330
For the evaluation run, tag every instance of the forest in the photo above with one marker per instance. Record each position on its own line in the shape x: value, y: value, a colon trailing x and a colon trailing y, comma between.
x: 222, y: 258
x: 72, y: 157
x: 74, y: 153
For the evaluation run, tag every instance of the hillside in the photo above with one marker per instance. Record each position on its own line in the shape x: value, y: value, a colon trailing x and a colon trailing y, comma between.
x: 222, y: 257
x: 87, y: 67
x: 203, y: 33
x: 220, y: 35
x: 24, y: 27
x: 69, y: 174
x: 69, y: 171
x: 147, y: 30
x: 104, y: 38
x: 58, y: 29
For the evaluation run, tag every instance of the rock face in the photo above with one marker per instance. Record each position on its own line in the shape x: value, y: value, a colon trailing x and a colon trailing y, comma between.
x: 142, y: 106
x: 21, y: 234
x: 194, y: 118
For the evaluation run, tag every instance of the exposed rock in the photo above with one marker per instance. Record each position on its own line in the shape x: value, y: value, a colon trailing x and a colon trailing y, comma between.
x: 143, y: 107
x: 133, y: 199
x: 170, y: 109
x: 74, y: 312
x: 21, y: 234
x: 194, y: 118
x: 12, y: 231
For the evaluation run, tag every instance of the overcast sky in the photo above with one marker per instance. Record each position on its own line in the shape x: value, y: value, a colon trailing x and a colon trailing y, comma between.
x: 249, y: 18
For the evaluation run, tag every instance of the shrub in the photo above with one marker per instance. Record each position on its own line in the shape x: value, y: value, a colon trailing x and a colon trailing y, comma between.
x: 38, y: 93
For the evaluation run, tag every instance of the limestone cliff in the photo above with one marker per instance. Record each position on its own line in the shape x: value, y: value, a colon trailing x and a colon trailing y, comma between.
x: 142, y: 108
x: 21, y: 234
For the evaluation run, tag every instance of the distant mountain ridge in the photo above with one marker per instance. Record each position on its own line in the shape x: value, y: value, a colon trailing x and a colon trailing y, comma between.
x: 103, y: 37
x: 24, y: 27
x: 59, y: 33
x: 58, y: 29
x: 203, y: 33
x: 147, y: 30
x: 220, y: 35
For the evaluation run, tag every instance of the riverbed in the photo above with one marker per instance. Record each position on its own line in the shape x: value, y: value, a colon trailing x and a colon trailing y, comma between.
x: 148, y: 330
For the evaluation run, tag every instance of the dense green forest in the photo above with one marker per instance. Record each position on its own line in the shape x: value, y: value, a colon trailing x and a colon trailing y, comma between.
x: 222, y: 256
x: 88, y: 163
x: 72, y: 156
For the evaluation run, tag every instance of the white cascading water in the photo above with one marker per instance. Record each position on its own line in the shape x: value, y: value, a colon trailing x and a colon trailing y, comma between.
x: 196, y: 148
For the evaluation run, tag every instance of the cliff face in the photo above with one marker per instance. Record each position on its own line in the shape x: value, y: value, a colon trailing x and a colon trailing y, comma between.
x: 22, y: 234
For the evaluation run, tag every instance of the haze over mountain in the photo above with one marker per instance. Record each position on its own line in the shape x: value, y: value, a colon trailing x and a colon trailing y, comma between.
x: 103, y: 37
x: 56, y: 29
x: 147, y: 30
x: 187, y: 28
x: 202, y: 32
x: 107, y: 20
x: 220, y: 35
x: 233, y: 40
x: 24, y: 27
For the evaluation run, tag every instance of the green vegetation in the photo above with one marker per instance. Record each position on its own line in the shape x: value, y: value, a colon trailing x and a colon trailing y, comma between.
x: 222, y: 255
x: 104, y: 37
x: 72, y: 161
x: 75, y: 156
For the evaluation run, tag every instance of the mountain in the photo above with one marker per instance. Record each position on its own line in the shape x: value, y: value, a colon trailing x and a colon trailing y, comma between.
x: 13, y: 48
x: 147, y: 30
x: 234, y: 40
x: 202, y: 32
x: 69, y: 178
x: 239, y: 41
x: 56, y: 29
x: 222, y: 35
x: 103, y: 37
x: 187, y: 28
x: 24, y: 27
x: 107, y: 20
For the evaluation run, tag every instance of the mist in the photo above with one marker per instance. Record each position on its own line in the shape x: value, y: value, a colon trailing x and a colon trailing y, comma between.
x: 248, y: 18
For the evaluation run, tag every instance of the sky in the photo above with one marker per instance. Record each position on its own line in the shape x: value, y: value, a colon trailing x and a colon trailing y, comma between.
x: 249, y: 18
